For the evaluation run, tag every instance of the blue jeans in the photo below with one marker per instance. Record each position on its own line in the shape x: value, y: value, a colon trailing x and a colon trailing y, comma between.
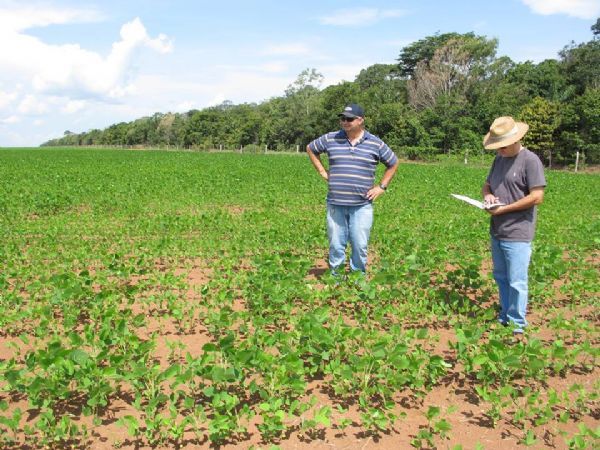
x: 349, y: 223
x: 511, y: 262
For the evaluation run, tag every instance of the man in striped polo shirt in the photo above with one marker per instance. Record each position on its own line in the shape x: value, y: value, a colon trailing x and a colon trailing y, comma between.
x: 353, y: 154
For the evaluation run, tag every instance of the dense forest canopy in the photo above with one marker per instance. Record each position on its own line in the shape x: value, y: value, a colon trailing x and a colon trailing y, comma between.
x: 439, y: 98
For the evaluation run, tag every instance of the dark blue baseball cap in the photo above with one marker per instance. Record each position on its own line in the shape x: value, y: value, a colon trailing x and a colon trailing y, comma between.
x: 352, y: 110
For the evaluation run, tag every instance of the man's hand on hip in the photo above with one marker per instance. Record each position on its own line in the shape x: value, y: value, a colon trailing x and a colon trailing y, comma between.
x: 374, y: 192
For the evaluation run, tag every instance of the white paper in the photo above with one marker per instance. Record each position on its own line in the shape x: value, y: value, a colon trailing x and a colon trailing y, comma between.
x: 476, y: 203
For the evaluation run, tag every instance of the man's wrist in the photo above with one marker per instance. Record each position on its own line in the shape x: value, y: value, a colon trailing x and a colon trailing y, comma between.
x: 383, y: 186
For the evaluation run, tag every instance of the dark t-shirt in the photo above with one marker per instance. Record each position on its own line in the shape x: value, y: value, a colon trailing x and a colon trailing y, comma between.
x: 510, y: 180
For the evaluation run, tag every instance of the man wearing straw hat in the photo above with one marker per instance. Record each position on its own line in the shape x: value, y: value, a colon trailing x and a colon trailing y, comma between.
x: 516, y: 179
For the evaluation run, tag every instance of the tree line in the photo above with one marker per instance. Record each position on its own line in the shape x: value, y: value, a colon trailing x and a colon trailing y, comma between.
x: 439, y: 98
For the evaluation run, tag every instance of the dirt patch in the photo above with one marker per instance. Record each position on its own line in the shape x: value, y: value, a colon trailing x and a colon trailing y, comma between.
x: 235, y: 210
x: 318, y: 269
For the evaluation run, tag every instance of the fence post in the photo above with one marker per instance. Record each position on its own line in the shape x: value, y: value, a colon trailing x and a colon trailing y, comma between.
x: 266, y: 148
x: 297, y: 149
x: 241, y: 148
x: 466, y: 156
x: 577, y: 161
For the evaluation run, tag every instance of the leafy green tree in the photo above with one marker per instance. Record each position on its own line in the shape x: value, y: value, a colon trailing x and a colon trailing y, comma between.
x: 280, y: 128
x: 588, y: 106
x: 139, y: 131
x: 384, y: 120
x: 399, y: 126
x: 545, y: 79
x: 209, y: 128
x: 542, y: 117
x: 453, y: 68
x: 596, y: 27
x: 304, y: 90
x: 115, y: 134
x: 449, y: 124
x: 178, y: 129
x: 92, y: 137
x: 422, y: 51
x: 580, y: 127
x: 379, y: 85
x: 244, y: 125
x: 581, y: 64
x: 332, y: 100
x: 302, y: 102
x: 494, y: 96
x: 164, y: 130
x: 376, y: 74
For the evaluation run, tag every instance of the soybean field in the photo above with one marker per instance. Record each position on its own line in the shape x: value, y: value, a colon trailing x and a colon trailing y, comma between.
x: 155, y: 299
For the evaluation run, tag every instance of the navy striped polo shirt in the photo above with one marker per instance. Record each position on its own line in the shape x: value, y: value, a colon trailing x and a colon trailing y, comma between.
x: 352, y: 168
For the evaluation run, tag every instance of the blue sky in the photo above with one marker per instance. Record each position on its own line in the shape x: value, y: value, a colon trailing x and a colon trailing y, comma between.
x: 78, y: 64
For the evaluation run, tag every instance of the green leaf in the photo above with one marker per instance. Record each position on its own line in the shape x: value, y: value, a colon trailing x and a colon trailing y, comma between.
x: 79, y: 356
x: 443, y: 425
x: 170, y: 372
x: 422, y: 333
x: 323, y: 415
x: 512, y: 361
x: 530, y: 438
x: 131, y: 423
x: 480, y: 360
x: 379, y: 353
x: 432, y: 412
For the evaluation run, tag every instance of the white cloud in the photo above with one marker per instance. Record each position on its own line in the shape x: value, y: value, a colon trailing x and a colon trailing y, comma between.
x: 235, y: 83
x: 360, y: 16
x: 185, y: 106
x: 10, y: 120
x: 6, y: 98
x: 481, y: 25
x: 336, y: 73
x: 31, y: 105
x: 74, y: 106
x: 400, y: 43
x: 582, y: 9
x: 534, y: 53
x: 293, y: 49
x: 69, y: 69
x: 19, y: 18
x: 274, y: 67
x: 216, y: 100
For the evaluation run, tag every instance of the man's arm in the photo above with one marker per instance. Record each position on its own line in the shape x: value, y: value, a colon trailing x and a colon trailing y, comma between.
x: 389, y: 173
x: 316, y: 161
x: 535, y: 197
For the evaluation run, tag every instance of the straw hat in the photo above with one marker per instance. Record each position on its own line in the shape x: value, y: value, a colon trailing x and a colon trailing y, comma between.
x: 504, y: 131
